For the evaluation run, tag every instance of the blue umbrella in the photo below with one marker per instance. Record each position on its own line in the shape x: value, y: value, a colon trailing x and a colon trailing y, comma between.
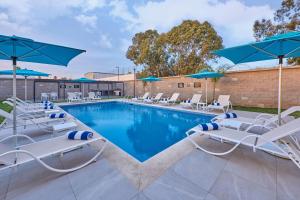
x: 25, y: 73
x: 206, y: 74
x: 84, y: 80
x: 276, y: 47
x: 150, y: 79
x: 16, y: 48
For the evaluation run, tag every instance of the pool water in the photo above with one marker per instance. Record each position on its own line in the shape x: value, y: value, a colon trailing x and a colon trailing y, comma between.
x: 141, y: 131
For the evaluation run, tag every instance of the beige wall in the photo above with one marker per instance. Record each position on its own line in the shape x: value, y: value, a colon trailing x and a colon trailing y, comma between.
x: 256, y: 88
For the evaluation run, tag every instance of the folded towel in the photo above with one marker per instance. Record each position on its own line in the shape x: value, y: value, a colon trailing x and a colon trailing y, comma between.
x: 57, y: 115
x: 79, y: 135
x: 209, y: 126
x: 46, y: 107
x: 187, y: 101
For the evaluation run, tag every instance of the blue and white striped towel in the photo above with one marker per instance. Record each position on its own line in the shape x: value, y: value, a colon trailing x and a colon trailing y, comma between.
x: 187, y: 101
x: 230, y: 115
x: 79, y: 135
x: 215, y: 104
x: 209, y: 126
x: 46, y: 107
x: 57, y: 115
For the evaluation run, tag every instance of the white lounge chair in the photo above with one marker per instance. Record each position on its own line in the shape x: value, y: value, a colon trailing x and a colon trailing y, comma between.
x: 46, y: 148
x: 93, y: 96
x: 264, y: 120
x: 171, y: 100
x: 37, y: 111
x: 274, y: 141
x: 141, y: 98
x: 192, y: 102
x: 73, y: 97
x: 223, y: 103
x: 26, y: 104
x: 27, y: 119
x: 157, y: 98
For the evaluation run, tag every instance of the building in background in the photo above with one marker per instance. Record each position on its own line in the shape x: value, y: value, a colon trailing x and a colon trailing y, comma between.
x: 102, y: 76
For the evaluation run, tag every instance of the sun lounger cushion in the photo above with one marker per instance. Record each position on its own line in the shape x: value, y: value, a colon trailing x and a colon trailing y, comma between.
x: 57, y: 115
x: 79, y: 135
x: 209, y: 126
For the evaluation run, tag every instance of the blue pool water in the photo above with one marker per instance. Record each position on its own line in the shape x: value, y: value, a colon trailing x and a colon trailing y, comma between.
x: 141, y: 131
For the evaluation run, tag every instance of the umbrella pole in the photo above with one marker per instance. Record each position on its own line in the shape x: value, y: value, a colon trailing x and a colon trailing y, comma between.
x: 15, y: 102
x: 206, y: 91
x: 25, y: 88
x: 279, y: 89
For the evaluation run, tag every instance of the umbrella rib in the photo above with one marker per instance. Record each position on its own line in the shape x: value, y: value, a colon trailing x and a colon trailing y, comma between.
x: 292, y: 51
x: 33, y: 50
x: 257, y: 50
x: 264, y: 51
x: 1, y: 52
x: 58, y: 62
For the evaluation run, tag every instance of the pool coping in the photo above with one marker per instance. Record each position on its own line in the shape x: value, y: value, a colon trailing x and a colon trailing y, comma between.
x: 143, y: 173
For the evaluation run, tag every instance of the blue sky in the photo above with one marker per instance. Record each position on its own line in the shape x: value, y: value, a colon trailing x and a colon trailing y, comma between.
x: 104, y: 28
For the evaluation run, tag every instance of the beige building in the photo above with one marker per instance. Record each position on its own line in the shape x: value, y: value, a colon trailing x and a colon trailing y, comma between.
x: 100, y: 76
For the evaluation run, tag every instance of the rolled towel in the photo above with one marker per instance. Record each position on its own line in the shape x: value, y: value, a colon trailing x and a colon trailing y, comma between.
x: 230, y: 115
x: 46, y: 107
x: 209, y: 126
x: 216, y: 104
x: 79, y: 135
x: 57, y: 115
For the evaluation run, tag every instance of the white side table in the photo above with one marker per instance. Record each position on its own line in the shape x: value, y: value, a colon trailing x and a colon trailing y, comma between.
x: 201, y: 105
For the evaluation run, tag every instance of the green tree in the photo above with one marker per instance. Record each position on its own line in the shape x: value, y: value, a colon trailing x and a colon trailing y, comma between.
x: 190, y: 45
x: 147, y: 50
x: 185, y: 49
x: 286, y: 18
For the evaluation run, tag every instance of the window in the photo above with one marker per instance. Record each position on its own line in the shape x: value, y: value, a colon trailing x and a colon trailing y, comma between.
x: 62, y: 86
x: 197, y: 85
x: 76, y: 86
x: 180, y: 85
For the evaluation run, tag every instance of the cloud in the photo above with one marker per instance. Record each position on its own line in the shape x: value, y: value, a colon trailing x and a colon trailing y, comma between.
x: 104, y: 42
x: 89, y: 21
x: 232, y: 18
x: 34, y: 12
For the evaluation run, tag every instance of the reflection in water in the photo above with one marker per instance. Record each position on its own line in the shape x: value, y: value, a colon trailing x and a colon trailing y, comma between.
x: 141, y: 131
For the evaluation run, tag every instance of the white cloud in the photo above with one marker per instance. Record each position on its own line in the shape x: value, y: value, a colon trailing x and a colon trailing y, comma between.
x: 89, y: 21
x: 104, y: 42
x: 232, y: 18
x: 33, y: 12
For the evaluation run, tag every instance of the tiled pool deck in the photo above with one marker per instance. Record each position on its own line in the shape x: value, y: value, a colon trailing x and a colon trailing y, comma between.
x: 196, y: 175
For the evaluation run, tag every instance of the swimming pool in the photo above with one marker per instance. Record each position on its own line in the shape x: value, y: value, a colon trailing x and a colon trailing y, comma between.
x: 141, y: 131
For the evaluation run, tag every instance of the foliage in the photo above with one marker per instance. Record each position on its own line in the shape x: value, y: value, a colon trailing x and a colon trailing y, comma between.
x: 6, y: 108
x: 286, y: 18
x: 185, y: 49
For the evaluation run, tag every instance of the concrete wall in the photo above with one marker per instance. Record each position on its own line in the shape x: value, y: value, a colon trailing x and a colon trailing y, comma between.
x: 258, y: 88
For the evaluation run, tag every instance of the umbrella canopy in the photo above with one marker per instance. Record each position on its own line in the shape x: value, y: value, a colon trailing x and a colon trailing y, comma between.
x: 16, y: 48
x: 25, y: 73
x: 150, y: 79
x: 85, y: 80
x: 279, y: 46
x: 275, y: 47
x: 206, y: 74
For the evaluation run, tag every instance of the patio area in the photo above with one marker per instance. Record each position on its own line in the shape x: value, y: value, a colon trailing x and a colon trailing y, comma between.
x: 194, y: 175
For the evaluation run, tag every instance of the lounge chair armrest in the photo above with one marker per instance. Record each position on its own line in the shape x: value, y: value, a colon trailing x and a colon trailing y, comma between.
x: 19, y: 135
x: 264, y: 116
